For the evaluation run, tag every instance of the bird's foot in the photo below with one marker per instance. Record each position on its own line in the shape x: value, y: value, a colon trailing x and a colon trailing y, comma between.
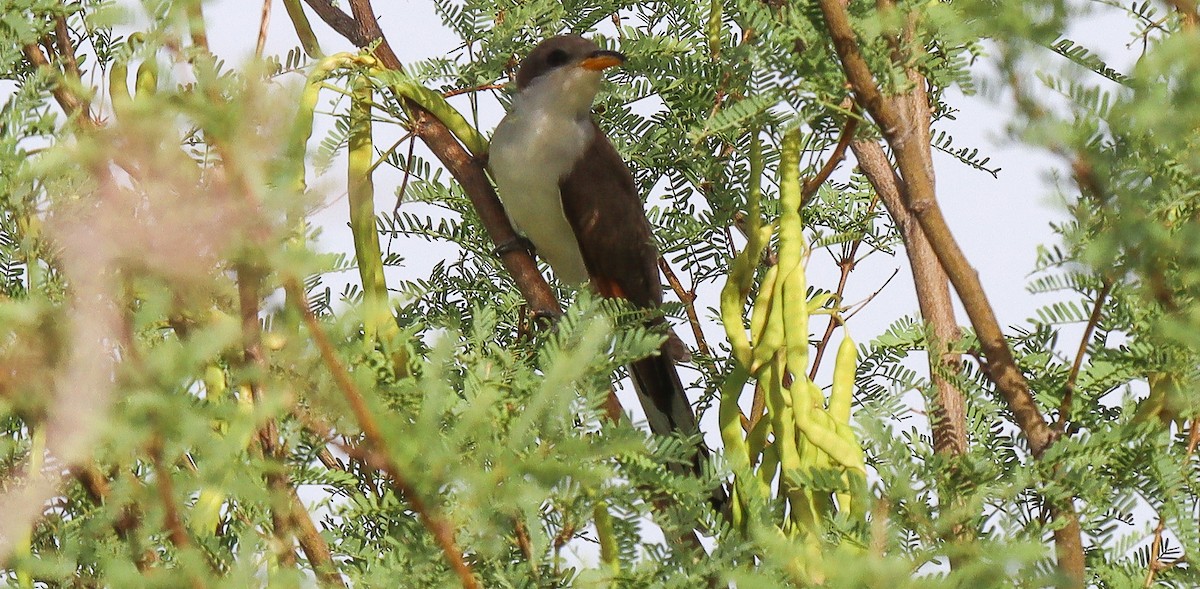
x: 544, y: 318
x: 515, y: 244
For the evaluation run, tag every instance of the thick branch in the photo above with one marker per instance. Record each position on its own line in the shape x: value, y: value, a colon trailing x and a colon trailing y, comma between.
x: 933, y: 298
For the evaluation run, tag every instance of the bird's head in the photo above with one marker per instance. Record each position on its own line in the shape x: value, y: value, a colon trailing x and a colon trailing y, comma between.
x: 564, y: 72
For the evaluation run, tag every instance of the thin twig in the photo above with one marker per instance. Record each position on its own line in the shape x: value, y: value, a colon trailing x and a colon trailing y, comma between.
x: 839, y: 153
x: 846, y: 265
x: 1064, y: 407
x: 412, y: 143
x: 374, y: 440
x: 859, y: 306
x: 688, y: 298
x: 479, y: 88
x: 264, y: 23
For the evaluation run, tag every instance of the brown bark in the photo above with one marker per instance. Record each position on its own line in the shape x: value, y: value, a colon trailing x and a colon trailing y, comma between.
x: 933, y: 298
x: 900, y: 123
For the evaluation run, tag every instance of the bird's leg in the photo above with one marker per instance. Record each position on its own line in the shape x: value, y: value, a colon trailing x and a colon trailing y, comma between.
x: 545, y: 318
x: 515, y: 244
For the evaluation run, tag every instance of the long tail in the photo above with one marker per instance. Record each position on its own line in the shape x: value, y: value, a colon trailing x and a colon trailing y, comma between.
x: 668, y: 411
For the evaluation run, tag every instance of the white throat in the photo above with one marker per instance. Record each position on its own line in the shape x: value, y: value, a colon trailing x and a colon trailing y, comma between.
x: 538, y: 143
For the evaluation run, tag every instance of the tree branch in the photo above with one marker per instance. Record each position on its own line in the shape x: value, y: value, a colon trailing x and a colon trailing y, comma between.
x: 688, y: 298
x: 466, y: 169
x: 66, y: 99
x: 933, y: 299
x: 1064, y: 408
x: 377, y: 454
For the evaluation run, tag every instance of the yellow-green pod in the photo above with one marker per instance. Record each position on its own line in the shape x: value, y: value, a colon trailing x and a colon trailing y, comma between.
x: 818, y: 302
x: 436, y: 104
x: 791, y: 228
x: 713, y: 28
x: 608, y: 537
x: 842, y: 451
x: 844, y: 367
x: 754, y: 220
x: 732, y: 300
x: 795, y: 318
x: 377, y: 318
x: 773, y: 337
x: 304, y: 31
x: 206, y: 514
x: 146, y: 83
x: 762, y: 304
x: 118, y: 84
x: 756, y: 439
x: 736, y: 450
x: 768, y: 469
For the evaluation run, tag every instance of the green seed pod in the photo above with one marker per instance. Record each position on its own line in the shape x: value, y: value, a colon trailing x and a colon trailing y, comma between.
x: 844, y: 368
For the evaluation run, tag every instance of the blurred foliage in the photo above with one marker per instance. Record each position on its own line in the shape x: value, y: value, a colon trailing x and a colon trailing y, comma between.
x: 171, y: 418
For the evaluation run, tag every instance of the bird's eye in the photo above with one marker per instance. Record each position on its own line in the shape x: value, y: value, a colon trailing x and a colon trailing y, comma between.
x: 556, y: 58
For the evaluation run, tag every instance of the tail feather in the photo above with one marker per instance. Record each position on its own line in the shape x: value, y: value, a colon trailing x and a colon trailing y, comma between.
x: 662, y: 396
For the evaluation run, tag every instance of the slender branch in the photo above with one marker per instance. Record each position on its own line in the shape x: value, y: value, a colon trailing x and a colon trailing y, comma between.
x: 339, y: 21
x: 688, y: 298
x: 66, y: 51
x: 166, y: 494
x: 846, y: 265
x: 176, y: 532
x: 860, y: 305
x: 479, y: 88
x: 933, y: 298
x: 66, y: 99
x: 376, y: 446
x: 526, y: 546
x: 1064, y: 407
x: 196, y: 28
x: 412, y: 143
x: 809, y: 190
x: 314, y: 546
x: 263, y: 24
x: 249, y: 285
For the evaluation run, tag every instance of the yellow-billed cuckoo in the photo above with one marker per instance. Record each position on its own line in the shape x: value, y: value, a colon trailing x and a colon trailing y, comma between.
x: 568, y: 191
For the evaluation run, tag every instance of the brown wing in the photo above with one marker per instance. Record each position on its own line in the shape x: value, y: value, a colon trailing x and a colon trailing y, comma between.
x: 602, y: 204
